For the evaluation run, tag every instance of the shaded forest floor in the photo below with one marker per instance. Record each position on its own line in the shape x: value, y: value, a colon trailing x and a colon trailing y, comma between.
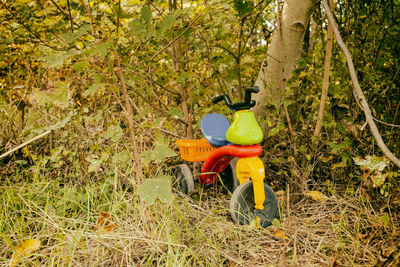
x: 194, y: 231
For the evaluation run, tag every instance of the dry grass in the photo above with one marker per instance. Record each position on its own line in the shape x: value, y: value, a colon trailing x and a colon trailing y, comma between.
x: 191, y: 232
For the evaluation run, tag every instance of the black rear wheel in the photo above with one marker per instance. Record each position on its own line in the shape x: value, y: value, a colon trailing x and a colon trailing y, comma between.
x: 228, y: 176
x: 183, y: 179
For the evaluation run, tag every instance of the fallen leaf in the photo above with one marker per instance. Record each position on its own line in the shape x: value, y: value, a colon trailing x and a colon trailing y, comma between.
x: 104, y: 223
x: 334, y: 263
x: 24, y: 249
x: 316, y: 195
x: 310, y: 220
x: 254, y: 224
x: 281, y: 234
x: 365, y: 236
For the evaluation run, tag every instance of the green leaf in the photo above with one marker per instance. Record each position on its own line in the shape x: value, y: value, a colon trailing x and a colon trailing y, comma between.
x: 94, y: 164
x: 54, y: 60
x: 385, y: 219
x: 101, y: 49
x: 159, y: 187
x: 276, y: 129
x: 337, y: 147
x: 276, y: 223
x: 372, y: 162
x: 167, y: 23
x: 159, y: 154
x: 114, y: 132
x: 341, y: 128
x: 243, y: 6
x: 80, y: 65
x: 62, y: 123
x: 104, y: 156
x: 82, y: 31
x: 137, y: 26
x: 122, y: 158
x: 145, y: 13
x: 378, y: 179
x: 91, y: 90
x: 68, y: 37
x: 183, y: 77
x: 176, y: 112
x: 57, y: 97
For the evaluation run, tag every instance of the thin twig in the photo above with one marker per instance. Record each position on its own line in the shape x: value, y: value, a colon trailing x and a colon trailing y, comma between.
x: 177, y: 37
x: 25, y: 144
x: 375, y: 119
x: 70, y: 16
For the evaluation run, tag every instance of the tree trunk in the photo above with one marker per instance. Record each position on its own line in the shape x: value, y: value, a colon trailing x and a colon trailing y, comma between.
x: 283, y: 52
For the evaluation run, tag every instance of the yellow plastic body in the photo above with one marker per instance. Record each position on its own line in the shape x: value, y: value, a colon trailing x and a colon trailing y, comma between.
x: 253, y: 168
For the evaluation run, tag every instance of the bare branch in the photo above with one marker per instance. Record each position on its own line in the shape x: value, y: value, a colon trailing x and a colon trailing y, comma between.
x: 359, y: 94
x: 25, y: 144
x: 325, y: 79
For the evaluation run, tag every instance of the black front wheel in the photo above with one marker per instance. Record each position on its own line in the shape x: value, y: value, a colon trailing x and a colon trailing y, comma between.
x: 242, y: 205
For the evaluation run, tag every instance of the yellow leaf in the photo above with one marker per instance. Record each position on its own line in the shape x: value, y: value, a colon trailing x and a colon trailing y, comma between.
x: 280, y: 234
x: 316, y: 195
x: 254, y: 224
x: 310, y: 220
x: 24, y: 249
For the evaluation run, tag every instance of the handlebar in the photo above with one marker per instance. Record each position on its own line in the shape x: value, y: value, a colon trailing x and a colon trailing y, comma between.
x: 247, y: 104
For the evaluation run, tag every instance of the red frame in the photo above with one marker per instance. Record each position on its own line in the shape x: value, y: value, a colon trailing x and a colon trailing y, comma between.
x: 219, y: 159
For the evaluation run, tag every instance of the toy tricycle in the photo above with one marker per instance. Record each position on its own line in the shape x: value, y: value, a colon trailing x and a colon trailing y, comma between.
x: 223, y: 142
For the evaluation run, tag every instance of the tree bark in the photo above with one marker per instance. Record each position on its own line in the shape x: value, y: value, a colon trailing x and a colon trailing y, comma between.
x: 283, y: 52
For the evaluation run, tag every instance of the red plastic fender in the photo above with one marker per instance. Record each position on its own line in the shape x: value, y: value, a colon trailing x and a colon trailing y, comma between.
x: 220, y: 158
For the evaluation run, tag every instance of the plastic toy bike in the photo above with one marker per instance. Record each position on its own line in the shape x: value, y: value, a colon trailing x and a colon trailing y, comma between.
x: 223, y: 142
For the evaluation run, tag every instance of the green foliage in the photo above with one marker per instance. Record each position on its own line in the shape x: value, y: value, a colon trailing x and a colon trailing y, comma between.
x: 114, y: 133
x: 374, y: 166
x: 243, y: 7
x: 160, y: 152
x: 61, y: 74
x: 372, y: 163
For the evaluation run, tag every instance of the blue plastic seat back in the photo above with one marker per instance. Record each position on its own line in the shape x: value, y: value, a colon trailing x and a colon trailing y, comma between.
x: 214, y: 127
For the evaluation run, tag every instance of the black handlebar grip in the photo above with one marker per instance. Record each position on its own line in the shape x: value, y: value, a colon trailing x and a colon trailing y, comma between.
x: 216, y: 99
x: 247, y: 104
x: 247, y: 94
x: 253, y: 89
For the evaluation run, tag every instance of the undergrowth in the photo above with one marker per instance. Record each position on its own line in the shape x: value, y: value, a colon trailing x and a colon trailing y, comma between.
x: 193, y: 231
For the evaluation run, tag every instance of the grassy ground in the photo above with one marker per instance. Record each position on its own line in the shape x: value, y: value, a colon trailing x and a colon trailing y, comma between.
x: 59, y: 203
x: 193, y: 231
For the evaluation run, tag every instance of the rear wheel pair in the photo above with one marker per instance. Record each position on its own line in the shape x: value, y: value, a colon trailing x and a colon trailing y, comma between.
x: 184, y: 181
x: 242, y: 200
